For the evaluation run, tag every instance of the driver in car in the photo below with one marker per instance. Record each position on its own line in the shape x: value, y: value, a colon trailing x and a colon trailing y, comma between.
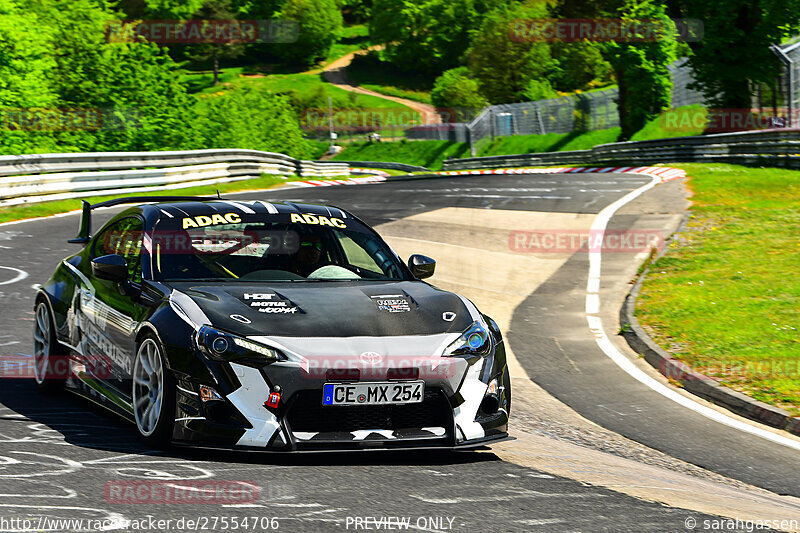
x: 308, y: 256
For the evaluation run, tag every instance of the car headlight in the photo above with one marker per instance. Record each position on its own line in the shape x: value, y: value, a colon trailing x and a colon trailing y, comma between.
x: 476, y: 340
x: 224, y: 346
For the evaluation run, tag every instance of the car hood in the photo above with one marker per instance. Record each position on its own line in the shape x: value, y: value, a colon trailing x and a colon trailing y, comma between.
x: 323, y: 309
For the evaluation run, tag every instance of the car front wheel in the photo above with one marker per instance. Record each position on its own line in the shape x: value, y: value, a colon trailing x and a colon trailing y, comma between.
x: 45, y: 361
x: 153, y: 393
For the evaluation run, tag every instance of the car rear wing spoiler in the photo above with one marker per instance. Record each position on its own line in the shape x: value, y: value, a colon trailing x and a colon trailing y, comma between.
x: 85, y: 229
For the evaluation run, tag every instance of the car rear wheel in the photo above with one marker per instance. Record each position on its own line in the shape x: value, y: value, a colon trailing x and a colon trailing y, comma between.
x: 44, y: 344
x: 153, y: 393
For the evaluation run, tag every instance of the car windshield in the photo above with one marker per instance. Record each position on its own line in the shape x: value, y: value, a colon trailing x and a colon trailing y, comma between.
x: 272, y: 248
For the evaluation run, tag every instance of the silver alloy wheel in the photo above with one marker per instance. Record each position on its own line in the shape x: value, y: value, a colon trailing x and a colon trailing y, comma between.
x: 148, y: 387
x: 41, y: 343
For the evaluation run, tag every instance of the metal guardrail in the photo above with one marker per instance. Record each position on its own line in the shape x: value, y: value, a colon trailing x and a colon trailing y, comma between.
x: 11, y: 165
x: 40, y: 177
x: 768, y: 147
x: 386, y: 165
x: 323, y: 168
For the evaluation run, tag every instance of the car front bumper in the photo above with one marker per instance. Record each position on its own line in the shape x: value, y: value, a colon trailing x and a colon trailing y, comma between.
x: 452, y: 415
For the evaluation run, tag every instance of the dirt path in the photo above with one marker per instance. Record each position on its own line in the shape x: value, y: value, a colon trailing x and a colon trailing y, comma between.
x: 336, y: 73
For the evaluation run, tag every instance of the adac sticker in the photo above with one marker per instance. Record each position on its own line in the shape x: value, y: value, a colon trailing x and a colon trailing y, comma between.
x: 270, y: 303
x: 319, y: 220
x: 212, y: 220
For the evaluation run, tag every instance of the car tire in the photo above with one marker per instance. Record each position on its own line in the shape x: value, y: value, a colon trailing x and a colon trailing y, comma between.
x: 47, y: 362
x: 153, y: 393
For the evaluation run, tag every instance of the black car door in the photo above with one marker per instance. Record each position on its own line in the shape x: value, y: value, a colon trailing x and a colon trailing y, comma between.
x: 111, y: 311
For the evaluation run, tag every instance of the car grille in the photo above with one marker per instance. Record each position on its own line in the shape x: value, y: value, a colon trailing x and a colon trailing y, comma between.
x: 307, y: 413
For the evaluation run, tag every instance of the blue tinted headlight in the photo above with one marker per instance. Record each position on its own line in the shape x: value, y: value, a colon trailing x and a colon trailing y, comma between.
x: 476, y: 340
x: 226, y: 346
x: 220, y: 345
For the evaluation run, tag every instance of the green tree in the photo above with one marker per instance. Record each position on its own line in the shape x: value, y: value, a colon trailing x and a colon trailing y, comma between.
x: 129, y: 91
x: 319, y: 25
x: 579, y: 66
x: 151, y: 107
x: 26, y: 62
x: 641, y: 69
x: 249, y: 118
x: 215, y: 10
x: 133, y: 84
x: 639, y: 63
x: 260, y: 9
x: 159, y: 9
x: 357, y: 11
x: 426, y: 35
x: 457, y: 91
x: 504, y: 66
x: 734, y: 53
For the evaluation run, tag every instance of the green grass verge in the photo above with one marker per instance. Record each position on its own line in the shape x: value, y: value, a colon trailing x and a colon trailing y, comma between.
x: 318, y: 148
x: 353, y: 38
x: 679, y: 122
x: 42, y: 209
x: 304, y: 84
x: 432, y: 154
x: 309, y: 93
x: 551, y: 142
x: 724, y: 299
x: 390, y: 90
x: 428, y: 154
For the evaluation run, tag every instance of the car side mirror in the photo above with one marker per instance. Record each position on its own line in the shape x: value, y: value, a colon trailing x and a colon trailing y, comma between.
x: 110, y: 267
x: 421, y: 266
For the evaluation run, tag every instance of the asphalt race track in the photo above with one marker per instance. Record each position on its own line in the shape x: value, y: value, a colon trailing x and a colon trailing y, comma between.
x: 57, y: 454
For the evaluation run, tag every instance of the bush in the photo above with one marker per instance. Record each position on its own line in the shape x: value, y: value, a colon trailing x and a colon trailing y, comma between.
x: 77, y: 71
x: 539, y: 90
x: 254, y: 119
x: 457, y: 91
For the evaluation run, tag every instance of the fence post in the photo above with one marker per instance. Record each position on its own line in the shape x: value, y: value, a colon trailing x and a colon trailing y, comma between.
x: 788, y: 65
x: 471, y: 141
x: 539, y: 119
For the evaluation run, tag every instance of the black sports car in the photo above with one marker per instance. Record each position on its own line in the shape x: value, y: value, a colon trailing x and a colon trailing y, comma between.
x: 279, y: 326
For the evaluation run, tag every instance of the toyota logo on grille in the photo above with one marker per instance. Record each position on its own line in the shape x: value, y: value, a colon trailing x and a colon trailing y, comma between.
x: 371, y: 358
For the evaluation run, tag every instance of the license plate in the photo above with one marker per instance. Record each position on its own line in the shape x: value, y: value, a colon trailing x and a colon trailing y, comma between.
x: 373, y: 393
